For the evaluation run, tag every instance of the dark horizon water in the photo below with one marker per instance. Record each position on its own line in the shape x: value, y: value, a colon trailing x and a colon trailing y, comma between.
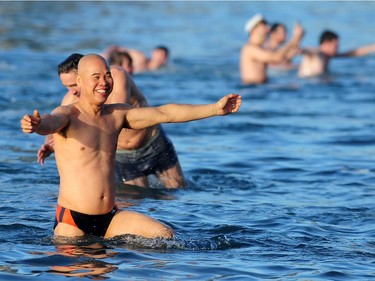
x: 282, y: 190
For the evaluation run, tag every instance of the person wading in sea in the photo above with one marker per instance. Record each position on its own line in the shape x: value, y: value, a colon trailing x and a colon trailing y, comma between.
x: 315, y: 62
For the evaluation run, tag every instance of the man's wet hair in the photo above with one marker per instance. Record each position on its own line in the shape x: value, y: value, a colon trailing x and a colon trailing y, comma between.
x: 328, y: 35
x: 69, y: 64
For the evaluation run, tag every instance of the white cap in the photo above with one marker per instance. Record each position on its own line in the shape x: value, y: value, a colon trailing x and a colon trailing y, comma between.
x: 251, y: 23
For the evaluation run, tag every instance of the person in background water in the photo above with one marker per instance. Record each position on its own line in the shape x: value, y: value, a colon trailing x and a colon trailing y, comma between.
x: 315, y: 62
x: 276, y: 38
x: 140, y: 153
x: 255, y: 57
x: 141, y: 63
x: 123, y: 59
x: 85, y: 141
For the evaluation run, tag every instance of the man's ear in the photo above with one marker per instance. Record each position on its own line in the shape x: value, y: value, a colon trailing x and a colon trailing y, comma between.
x: 79, y: 81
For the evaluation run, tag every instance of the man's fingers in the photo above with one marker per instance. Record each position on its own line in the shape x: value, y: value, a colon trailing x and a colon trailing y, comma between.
x: 30, y: 122
x: 36, y: 114
x: 41, y: 160
x: 26, y: 118
x: 36, y: 117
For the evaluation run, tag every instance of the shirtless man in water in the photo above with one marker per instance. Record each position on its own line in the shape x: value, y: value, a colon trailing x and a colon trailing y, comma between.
x: 140, y: 153
x: 255, y: 57
x: 141, y: 63
x: 123, y: 59
x: 315, y: 62
x: 276, y: 38
x: 85, y: 141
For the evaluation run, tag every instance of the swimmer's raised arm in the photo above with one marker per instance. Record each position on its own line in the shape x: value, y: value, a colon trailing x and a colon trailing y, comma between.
x: 138, y: 118
x: 286, y: 52
x: 47, y: 124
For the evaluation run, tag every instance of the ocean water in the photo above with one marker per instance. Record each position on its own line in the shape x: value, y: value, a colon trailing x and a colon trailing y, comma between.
x: 282, y: 190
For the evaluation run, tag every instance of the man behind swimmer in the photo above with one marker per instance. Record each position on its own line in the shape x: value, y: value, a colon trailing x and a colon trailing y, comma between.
x: 85, y: 140
x: 141, y: 63
x: 255, y: 57
x: 276, y: 38
x: 123, y: 59
x: 316, y: 61
x: 140, y: 153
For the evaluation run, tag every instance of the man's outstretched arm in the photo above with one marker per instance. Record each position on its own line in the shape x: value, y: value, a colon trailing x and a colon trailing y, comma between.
x: 361, y: 51
x: 139, y: 118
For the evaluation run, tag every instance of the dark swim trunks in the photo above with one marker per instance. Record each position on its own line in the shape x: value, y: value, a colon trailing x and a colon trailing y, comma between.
x: 157, y: 155
x: 90, y: 224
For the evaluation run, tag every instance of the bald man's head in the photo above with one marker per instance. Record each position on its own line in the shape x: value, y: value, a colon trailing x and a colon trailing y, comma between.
x: 94, y: 76
x: 88, y: 60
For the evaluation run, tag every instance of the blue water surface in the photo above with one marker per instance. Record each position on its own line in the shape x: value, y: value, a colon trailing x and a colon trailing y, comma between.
x: 282, y: 190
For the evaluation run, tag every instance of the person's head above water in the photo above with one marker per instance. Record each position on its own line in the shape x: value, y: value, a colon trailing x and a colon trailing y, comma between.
x: 257, y: 28
x: 94, y: 78
x: 123, y: 59
x: 329, y: 42
x: 278, y: 32
x: 159, y: 57
x: 67, y: 71
x: 69, y: 64
x: 253, y: 22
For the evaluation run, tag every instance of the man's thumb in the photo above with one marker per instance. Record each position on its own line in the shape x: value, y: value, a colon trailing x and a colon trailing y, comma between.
x: 36, y: 114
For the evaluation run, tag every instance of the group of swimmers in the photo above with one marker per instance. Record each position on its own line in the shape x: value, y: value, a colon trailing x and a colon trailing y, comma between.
x: 94, y: 121
x: 267, y: 47
x: 105, y: 129
x: 140, y: 153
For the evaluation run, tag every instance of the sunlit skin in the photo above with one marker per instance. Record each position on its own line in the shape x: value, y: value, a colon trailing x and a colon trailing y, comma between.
x: 85, y: 140
x: 128, y: 66
x: 124, y: 91
x: 69, y: 80
x: 255, y: 57
x: 276, y: 38
x: 158, y: 59
x: 141, y: 63
x: 315, y: 62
